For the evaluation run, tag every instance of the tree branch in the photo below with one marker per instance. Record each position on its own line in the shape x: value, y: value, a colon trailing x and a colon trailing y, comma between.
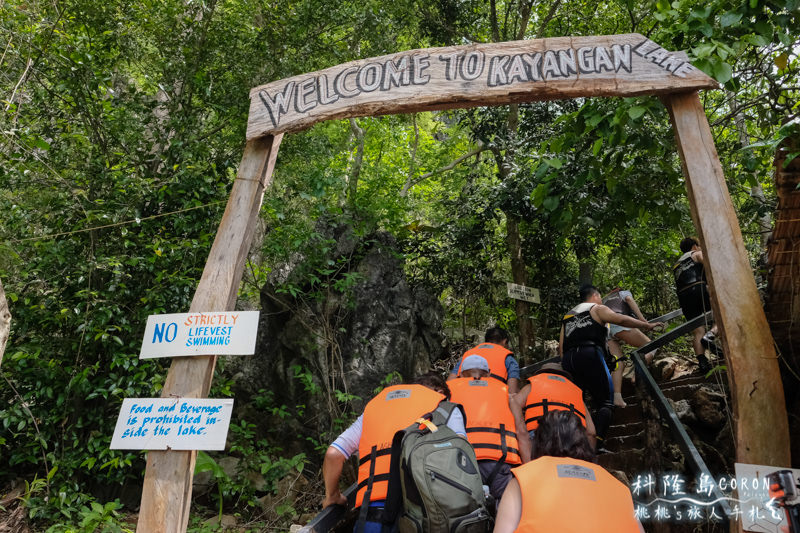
x: 548, y: 18
x: 412, y: 167
x: 450, y: 166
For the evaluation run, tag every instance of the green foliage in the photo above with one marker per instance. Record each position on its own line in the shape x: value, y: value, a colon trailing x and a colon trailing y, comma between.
x: 103, y: 518
x: 122, y: 127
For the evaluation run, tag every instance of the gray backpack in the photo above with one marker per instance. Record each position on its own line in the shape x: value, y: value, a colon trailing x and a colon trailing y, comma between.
x: 434, y: 482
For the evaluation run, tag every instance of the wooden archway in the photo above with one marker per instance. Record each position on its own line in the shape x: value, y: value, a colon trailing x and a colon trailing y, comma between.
x: 479, y: 75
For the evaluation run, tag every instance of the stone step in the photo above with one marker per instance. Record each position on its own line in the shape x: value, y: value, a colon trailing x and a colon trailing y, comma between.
x: 631, y: 460
x: 623, y: 430
x: 627, y: 415
x: 628, y: 441
x: 684, y: 392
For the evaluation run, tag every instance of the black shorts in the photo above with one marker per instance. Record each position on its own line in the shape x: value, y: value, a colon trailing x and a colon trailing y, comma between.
x: 694, y: 301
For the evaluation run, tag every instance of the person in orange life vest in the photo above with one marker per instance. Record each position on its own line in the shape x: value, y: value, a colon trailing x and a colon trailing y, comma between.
x: 562, y: 489
x: 693, y: 297
x: 622, y: 302
x: 551, y: 389
x: 490, y: 419
x: 582, y: 345
x: 502, y: 363
x: 393, y: 409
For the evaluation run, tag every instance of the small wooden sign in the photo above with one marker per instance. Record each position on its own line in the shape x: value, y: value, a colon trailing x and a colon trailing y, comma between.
x: 521, y: 292
x: 187, y: 334
x: 172, y: 424
x: 472, y: 75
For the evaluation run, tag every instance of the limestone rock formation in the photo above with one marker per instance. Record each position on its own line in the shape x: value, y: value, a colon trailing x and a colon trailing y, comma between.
x: 318, y: 346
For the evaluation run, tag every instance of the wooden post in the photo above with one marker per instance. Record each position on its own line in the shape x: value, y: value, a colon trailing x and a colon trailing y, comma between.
x: 759, y: 410
x: 167, y: 491
x: 5, y: 322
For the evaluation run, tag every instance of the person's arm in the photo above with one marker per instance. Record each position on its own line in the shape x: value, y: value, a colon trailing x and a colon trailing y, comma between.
x: 591, y: 432
x: 512, y: 371
x: 607, y: 315
x: 343, y: 447
x: 331, y: 473
x: 635, y: 308
x: 697, y: 257
x: 509, y: 513
x: 523, y: 440
x: 561, y: 342
x: 454, y: 373
x: 457, y: 423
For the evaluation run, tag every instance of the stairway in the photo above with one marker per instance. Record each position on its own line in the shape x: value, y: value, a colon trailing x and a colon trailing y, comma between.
x: 626, y: 436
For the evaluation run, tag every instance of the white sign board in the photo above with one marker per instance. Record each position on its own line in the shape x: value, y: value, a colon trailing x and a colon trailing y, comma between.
x: 187, y: 334
x: 172, y: 424
x: 759, y: 511
x: 521, y: 292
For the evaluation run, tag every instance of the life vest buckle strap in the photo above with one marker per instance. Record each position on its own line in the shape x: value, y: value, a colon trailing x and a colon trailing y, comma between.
x: 428, y: 424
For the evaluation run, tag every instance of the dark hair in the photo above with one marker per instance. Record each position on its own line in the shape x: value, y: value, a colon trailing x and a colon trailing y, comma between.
x: 586, y: 291
x: 687, y: 243
x: 561, y: 434
x: 433, y: 381
x: 496, y: 335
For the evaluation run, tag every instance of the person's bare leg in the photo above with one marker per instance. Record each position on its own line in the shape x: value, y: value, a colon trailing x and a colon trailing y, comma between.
x: 697, y: 336
x: 637, y: 339
x: 616, y: 375
x: 700, y: 350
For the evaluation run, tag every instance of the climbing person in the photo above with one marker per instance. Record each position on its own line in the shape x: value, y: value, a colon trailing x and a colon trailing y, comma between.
x: 692, y: 289
x: 495, y: 426
x: 622, y: 302
x: 562, y: 489
x: 502, y: 363
x: 582, y: 345
x: 393, y: 409
x: 551, y: 389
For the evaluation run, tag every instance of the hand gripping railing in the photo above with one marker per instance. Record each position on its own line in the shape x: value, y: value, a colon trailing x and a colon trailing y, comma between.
x: 331, y: 515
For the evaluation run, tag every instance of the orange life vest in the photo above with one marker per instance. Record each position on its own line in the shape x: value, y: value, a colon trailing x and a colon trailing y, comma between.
x: 572, y: 496
x: 490, y: 423
x: 395, y: 408
x: 552, y: 392
x: 495, y: 355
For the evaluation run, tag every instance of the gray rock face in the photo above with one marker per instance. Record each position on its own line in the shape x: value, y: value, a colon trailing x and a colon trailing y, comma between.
x: 709, y: 407
x: 308, y: 348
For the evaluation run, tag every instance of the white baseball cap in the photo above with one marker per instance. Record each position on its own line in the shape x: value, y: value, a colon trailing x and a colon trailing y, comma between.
x: 474, y: 361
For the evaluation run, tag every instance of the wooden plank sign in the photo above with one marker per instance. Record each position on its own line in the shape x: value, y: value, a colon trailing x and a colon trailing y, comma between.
x: 521, y: 292
x: 188, y: 334
x: 172, y: 424
x: 473, y: 75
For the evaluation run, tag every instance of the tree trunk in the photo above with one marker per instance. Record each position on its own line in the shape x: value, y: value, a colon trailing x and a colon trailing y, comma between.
x: 583, y: 253
x: 756, y: 191
x: 357, y: 162
x: 519, y: 272
x: 5, y: 322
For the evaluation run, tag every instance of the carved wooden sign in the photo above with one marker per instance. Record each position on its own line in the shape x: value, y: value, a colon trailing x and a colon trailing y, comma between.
x: 473, y: 75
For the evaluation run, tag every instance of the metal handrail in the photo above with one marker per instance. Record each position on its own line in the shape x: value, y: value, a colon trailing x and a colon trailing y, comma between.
x: 668, y: 414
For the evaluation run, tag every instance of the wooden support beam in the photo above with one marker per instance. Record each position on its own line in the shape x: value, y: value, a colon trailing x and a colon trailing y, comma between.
x: 759, y: 410
x: 167, y: 491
